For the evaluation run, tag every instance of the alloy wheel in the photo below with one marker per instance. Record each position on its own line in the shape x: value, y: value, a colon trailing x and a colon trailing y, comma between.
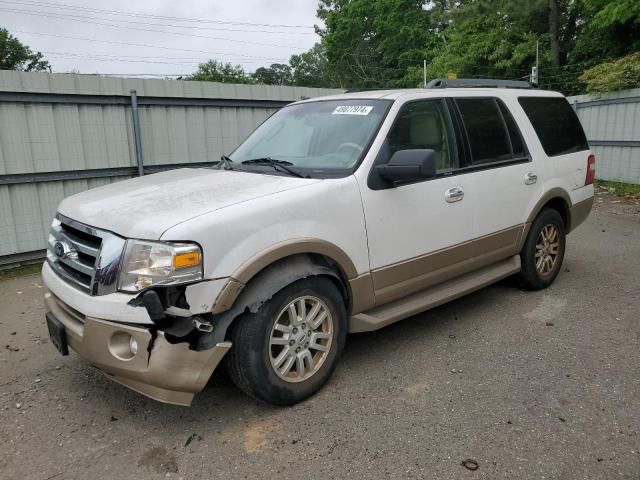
x: 547, y: 250
x: 301, y: 339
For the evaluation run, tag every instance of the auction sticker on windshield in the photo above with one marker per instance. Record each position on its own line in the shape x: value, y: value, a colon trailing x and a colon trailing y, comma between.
x: 352, y: 110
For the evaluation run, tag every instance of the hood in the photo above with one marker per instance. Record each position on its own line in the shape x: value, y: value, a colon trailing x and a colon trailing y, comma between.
x: 145, y: 207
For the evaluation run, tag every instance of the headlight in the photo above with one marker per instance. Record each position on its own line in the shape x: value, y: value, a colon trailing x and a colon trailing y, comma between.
x: 147, y: 264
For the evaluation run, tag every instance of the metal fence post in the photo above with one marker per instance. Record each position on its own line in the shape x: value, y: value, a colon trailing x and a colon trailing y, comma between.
x: 136, y: 132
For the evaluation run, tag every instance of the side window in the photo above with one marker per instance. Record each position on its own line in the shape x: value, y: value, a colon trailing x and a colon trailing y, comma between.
x: 556, y: 124
x: 425, y: 125
x: 486, y: 129
x: 517, y: 144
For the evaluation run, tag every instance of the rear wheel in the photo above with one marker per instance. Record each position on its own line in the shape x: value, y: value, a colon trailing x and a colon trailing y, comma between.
x: 543, y: 251
x: 287, y: 350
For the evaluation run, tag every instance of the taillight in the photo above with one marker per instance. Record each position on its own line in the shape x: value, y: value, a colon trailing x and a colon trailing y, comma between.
x: 591, y: 170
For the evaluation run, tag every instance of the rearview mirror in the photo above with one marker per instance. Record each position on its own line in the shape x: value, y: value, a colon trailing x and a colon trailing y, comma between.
x: 408, y: 165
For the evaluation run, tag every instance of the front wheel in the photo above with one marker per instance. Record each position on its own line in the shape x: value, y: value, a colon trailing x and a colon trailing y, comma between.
x: 543, y: 251
x: 288, y: 349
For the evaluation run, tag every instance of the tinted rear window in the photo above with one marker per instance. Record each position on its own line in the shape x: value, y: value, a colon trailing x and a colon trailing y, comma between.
x: 556, y: 124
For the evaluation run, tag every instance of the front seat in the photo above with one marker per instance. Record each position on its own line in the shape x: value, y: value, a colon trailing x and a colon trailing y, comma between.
x: 425, y: 132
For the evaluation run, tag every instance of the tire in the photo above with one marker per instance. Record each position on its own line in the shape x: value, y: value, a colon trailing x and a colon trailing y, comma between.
x: 255, y: 363
x: 537, y: 271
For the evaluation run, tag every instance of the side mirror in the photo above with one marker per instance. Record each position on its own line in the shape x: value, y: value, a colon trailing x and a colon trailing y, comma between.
x: 408, y: 165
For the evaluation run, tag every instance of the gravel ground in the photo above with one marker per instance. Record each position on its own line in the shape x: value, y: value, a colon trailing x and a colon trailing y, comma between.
x: 526, y: 384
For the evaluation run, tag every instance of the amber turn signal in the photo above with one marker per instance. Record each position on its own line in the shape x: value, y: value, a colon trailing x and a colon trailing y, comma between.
x: 188, y: 259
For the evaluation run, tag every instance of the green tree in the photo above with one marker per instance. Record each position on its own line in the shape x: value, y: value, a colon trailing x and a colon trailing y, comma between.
x: 484, y: 46
x: 617, y: 75
x: 498, y: 38
x: 14, y: 55
x: 612, y: 30
x: 382, y: 43
x: 375, y: 43
x: 214, y: 71
x: 275, y: 74
x: 311, y: 69
x: 614, y: 12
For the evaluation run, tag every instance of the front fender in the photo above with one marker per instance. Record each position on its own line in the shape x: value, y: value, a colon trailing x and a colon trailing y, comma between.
x: 264, y: 286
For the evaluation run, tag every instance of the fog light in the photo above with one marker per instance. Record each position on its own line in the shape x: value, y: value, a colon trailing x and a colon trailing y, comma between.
x: 123, y: 346
x: 133, y: 345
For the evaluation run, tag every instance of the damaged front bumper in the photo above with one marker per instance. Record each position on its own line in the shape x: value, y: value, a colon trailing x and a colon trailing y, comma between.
x: 167, y: 372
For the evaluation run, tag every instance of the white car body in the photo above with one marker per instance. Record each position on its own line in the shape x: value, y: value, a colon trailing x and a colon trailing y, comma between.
x: 235, y: 217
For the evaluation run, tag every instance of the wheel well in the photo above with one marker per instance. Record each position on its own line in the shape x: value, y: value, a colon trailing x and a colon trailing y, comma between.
x: 273, y: 278
x: 560, y: 205
x: 339, y: 278
x: 341, y: 281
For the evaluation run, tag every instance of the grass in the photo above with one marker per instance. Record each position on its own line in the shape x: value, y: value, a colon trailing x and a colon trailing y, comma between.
x: 10, y: 273
x: 626, y: 190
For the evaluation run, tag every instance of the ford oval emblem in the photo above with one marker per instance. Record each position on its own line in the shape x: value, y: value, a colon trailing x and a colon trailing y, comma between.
x: 59, y: 249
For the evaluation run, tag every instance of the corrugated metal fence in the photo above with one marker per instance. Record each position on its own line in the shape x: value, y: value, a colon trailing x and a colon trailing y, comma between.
x: 61, y: 134
x: 612, y: 124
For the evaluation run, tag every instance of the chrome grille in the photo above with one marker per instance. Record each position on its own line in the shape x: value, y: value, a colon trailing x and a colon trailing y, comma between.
x: 85, y: 257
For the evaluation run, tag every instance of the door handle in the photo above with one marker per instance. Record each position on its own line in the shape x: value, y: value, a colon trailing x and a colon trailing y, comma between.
x: 530, y: 178
x: 454, y: 194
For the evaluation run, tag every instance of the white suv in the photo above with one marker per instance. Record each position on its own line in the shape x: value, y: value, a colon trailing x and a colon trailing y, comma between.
x: 338, y: 214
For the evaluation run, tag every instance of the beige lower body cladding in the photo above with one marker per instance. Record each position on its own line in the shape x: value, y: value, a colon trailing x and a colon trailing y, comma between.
x: 170, y: 373
x: 579, y: 212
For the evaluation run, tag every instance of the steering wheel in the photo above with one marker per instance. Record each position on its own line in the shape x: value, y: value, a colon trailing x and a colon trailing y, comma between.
x: 348, y: 160
x: 351, y: 145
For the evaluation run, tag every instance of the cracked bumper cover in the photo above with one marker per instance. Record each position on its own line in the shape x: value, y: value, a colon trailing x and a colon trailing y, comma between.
x: 170, y: 373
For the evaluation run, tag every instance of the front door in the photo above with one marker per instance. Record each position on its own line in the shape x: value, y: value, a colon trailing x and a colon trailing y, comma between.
x: 417, y: 231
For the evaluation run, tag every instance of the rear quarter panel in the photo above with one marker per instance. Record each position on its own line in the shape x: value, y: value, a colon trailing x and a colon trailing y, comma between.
x: 566, y: 172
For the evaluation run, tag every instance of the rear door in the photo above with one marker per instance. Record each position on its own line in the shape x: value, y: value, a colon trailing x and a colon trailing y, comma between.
x: 506, y: 179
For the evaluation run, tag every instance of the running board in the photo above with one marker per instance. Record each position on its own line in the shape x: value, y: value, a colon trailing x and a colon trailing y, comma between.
x: 432, y: 297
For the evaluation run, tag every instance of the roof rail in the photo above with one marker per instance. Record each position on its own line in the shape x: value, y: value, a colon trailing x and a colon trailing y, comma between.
x: 364, y: 89
x: 478, y: 82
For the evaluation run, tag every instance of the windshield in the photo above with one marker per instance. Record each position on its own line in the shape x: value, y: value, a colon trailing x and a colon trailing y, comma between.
x: 323, y: 135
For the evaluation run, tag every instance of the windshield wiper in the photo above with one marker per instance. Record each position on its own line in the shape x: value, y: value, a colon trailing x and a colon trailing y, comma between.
x: 282, y: 164
x: 225, y: 163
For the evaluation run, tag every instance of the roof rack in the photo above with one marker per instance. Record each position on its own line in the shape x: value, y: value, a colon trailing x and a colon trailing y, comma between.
x: 478, y: 83
x: 364, y: 89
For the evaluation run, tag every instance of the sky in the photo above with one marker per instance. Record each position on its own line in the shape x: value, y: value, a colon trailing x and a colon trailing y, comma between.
x: 160, y: 37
